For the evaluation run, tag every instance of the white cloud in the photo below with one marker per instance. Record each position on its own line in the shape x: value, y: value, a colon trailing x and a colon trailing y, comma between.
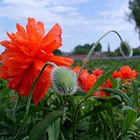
x: 61, y: 9
x: 66, y: 13
x: 116, y: 9
x: 116, y: 15
x: 46, y: 10
x: 64, y: 2
x: 45, y: 2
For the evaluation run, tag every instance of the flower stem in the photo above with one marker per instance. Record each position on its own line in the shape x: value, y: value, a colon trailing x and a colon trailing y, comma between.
x: 32, y: 88
x: 30, y: 97
x: 94, y: 46
x: 17, y: 102
x: 76, y: 113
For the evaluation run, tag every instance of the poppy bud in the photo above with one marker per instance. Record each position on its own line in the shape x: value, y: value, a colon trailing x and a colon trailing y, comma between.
x: 64, y: 81
x: 125, y: 49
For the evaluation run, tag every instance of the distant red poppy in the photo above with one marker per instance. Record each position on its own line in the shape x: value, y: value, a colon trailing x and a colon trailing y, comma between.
x: 85, y: 79
x: 91, y: 79
x: 97, y: 72
x: 26, y: 52
x: 125, y: 73
x: 107, y: 84
x: 116, y: 74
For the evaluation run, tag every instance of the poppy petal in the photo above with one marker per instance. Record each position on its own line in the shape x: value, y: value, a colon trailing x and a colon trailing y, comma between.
x: 52, y: 40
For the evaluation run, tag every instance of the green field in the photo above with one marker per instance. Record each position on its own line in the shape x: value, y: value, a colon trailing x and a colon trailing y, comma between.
x: 108, y: 64
x: 77, y: 117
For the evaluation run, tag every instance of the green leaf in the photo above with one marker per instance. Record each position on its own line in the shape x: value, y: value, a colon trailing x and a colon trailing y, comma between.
x: 114, y: 101
x: 6, y: 117
x: 135, y: 93
x: 100, y: 81
x: 129, y: 118
x: 127, y: 108
x: 80, y: 93
x: 38, y: 130
x: 61, y: 136
x: 6, y: 126
x: 120, y: 93
x: 54, y: 130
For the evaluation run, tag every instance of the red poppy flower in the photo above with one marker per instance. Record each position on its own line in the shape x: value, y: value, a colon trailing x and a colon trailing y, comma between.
x: 125, y: 73
x: 85, y: 79
x: 26, y: 52
x: 97, y: 72
x: 116, y: 74
x: 107, y: 84
x: 91, y: 79
x: 76, y: 69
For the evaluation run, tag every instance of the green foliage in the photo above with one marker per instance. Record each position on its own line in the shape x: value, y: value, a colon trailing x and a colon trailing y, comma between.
x: 134, y: 6
x: 44, y: 124
x: 76, y: 117
x: 98, y: 48
x: 109, y: 64
x: 84, y: 49
x: 58, y: 52
x: 136, y: 51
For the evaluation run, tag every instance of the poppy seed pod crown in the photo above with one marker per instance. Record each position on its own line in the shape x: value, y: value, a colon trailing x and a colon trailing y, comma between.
x: 64, y: 81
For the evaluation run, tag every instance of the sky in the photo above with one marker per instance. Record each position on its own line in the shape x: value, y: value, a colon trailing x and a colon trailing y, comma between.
x: 82, y: 21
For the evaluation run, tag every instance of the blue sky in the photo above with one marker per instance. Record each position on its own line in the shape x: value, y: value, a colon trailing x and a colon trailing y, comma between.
x: 82, y: 21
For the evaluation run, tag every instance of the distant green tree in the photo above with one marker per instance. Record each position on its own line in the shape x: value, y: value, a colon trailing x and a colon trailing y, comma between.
x: 98, y: 48
x: 134, y: 6
x: 136, y: 51
x: 57, y: 52
x: 117, y: 52
x: 84, y: 49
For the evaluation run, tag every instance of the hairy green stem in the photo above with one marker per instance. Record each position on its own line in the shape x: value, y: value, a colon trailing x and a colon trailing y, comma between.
x: 76, y: 116
x: 30, y: 97
x: 94, y: 46
x: 17, y: 102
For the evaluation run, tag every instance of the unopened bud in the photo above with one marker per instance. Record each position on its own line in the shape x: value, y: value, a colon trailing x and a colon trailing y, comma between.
x: 64, y: 81
x: 125, y: 49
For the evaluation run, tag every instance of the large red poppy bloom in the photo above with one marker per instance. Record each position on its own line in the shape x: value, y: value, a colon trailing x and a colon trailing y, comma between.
x: 26, y: 52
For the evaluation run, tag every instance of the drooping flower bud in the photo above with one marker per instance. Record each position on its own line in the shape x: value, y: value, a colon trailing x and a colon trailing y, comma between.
x: 64, y: 81
x: 125, y: 49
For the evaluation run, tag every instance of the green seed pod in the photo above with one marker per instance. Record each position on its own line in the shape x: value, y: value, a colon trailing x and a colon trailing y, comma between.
x: 125, y: 49
x: 64, y: 81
